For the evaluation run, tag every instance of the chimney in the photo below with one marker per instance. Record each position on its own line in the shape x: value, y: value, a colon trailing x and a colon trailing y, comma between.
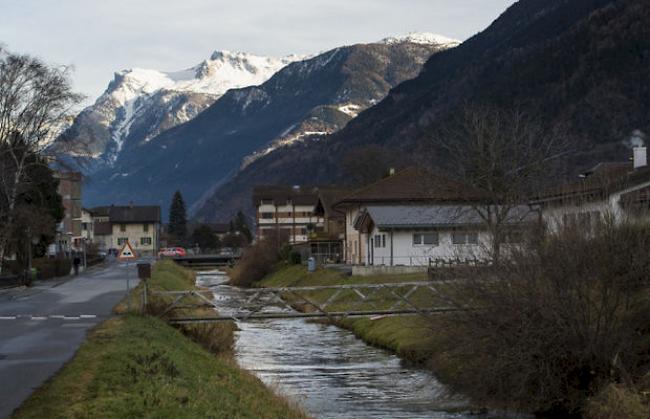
x: 640, y: 157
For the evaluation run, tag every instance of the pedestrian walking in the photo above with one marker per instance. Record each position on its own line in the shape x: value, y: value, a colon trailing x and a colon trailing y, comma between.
x: 76, y: 262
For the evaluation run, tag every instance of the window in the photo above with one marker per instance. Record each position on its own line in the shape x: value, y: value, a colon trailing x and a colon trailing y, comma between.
x: 145, y: 241
x: 122, y: 240
x: 380, y: 240
x: 425, y: 239
x: 145, y: 228
x: 122, y: 227
x: 267, y: 215
x: 464, y: 237
x: 84, y: 226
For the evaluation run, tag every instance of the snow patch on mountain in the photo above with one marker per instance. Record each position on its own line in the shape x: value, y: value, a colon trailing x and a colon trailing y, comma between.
x: 154, y: 100
x: 282, y: 142
x: 350, y: 109
x: 425, y: 38
x: 223, y: 71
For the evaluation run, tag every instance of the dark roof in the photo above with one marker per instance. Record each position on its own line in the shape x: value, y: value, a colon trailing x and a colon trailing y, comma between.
x: 599, y: 182
x: 413, y: 185
x: 432, y: 216
x: 100, y: 211
x: 280, y: 194
x: 130, y: 214
x: 327, y: 197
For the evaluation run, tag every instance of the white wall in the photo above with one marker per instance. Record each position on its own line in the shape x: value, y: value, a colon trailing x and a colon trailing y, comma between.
x: 406, y: 253
x: 553, y: 214
x: 355, y: 242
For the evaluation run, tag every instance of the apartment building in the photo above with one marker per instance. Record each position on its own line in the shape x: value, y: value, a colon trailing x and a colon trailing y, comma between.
x: 287, y: 211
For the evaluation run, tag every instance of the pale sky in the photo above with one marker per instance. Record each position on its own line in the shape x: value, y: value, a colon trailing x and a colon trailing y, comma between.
x: 99, y: 37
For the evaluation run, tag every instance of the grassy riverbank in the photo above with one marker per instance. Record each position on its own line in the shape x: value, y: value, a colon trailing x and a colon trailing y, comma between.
x: 410, y: 337
x: 139, y: 366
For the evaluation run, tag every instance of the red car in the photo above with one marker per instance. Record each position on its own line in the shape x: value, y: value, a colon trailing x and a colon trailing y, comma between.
x: 172, y: 252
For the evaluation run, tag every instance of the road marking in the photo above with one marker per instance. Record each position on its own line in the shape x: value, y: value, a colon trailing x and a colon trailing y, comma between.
x: 52, y: 316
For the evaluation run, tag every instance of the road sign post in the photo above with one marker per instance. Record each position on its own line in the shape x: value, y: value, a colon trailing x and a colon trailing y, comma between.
x: 127, y: 254
x: 144, y: 273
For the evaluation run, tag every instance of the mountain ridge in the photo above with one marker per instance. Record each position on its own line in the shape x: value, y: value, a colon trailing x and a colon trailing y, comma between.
x: 305, y: 98
x: 570, y: 62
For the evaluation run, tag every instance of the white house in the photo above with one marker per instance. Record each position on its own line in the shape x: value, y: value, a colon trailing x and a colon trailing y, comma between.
x: 412, y: 218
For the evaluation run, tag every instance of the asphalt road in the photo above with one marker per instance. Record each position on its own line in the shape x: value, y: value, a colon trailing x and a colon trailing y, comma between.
x: 41, y: 327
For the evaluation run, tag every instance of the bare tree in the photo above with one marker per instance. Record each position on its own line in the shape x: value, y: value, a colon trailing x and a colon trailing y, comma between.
x: 563, y: 318
x: 506, y: 154
x: 34, y: 101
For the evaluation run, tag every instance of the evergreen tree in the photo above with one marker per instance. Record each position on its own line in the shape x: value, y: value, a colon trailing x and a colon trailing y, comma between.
x: 205, y: 238
x: 242, y: 226
x: 178, y: 217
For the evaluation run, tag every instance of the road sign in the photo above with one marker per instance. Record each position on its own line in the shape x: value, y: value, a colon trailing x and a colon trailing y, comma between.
x: 127, y: 252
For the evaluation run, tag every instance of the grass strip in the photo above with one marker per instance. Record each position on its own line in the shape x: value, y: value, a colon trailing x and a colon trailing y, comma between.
x: 139, y: 366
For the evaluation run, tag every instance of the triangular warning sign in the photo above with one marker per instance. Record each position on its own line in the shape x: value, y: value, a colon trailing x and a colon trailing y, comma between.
x: 127, y: 252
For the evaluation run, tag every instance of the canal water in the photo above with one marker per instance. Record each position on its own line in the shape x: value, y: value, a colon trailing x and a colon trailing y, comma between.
x: 327, y: 370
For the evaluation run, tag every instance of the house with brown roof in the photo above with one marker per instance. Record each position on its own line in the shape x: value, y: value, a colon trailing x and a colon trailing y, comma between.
x: 618, y: 191
x: 114, y: 225
x: 413, y: 217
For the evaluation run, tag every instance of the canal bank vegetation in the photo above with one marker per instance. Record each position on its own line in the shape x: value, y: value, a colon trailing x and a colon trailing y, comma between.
x: 563, y: 328
x: 139, y: 366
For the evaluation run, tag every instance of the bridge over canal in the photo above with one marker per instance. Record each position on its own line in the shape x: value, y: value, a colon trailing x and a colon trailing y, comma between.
x: 206, y: 261
x: 333, y: 302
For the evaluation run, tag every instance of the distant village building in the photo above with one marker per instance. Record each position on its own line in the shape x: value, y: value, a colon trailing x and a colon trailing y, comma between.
x: 327, y: 245
x: 87, y: 225
x: 617, y: 191
x: 140, y: 225
x: 69, y: 231
x: 286, y: 212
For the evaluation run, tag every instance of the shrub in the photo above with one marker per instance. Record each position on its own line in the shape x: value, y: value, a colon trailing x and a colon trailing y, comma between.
x: 295, y: 258
x: 256, y: 262
x: 214, y: 337
x: 554, y: 325
x: 615, y: 402
x: 46, y: 268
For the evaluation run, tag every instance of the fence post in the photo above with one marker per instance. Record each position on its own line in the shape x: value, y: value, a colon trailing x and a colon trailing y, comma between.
x: 144, y: 297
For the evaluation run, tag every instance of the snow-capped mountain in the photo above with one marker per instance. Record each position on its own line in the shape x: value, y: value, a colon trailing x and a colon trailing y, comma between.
x: 302, y: 101
x: 141, y: 103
